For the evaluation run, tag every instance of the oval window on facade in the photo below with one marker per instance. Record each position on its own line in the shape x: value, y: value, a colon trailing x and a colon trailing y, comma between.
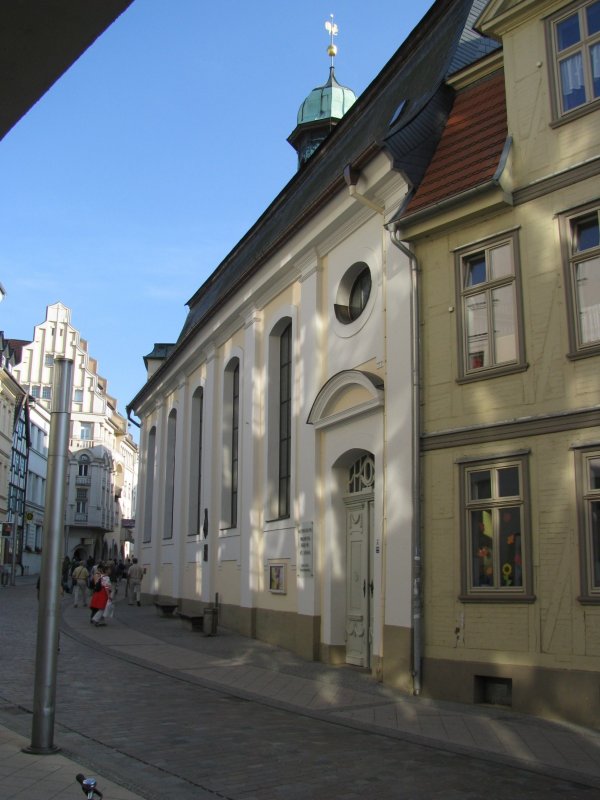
x: 353, y: 293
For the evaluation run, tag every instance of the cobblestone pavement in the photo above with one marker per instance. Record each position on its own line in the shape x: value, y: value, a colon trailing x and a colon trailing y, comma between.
x: 167, y: 713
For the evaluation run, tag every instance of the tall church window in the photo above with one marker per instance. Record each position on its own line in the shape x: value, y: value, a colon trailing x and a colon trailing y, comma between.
x: 279, y: 421
x: 231, y: 435
x: 195, y: 508
x: 170, y: 476
x: 150, y: 461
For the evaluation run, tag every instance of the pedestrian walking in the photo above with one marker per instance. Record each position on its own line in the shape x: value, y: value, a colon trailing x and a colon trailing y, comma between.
x: 80, y: 584
x: 109, y: 589
x: 135, y: 576
x: 100, y: 597
x: 126, y: 568
x: 66, y: 574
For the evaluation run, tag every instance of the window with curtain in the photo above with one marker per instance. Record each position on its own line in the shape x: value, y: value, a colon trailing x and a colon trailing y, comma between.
x: 576, y: 55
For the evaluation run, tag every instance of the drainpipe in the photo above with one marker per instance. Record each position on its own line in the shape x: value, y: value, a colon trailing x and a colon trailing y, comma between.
x: 417, y: 588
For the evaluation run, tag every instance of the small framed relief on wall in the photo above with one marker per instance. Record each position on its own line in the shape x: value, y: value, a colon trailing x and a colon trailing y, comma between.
x: 277, y: 578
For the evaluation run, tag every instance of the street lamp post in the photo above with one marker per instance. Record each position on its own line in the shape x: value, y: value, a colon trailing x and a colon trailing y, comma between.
x: 42, y: 734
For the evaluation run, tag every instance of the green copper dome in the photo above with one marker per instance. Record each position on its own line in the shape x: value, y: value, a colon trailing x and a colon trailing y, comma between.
x: 330, y: 101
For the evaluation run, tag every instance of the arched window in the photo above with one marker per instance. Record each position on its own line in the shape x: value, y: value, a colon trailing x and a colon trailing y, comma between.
x: 285, y: 420
x: 170, y: 475
x: 231, y: 432
x: 150, y: 461
x: 279, y: 424
x: 195, y: 507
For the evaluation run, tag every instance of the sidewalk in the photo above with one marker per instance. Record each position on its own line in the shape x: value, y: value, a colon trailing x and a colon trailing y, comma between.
x: 255, y: 671
x: 252, y: 670
x: 23, y: 775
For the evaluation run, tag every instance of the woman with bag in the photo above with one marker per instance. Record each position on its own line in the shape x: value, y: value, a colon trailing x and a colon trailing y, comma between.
x: 108, y: 586
x: 100, y: 597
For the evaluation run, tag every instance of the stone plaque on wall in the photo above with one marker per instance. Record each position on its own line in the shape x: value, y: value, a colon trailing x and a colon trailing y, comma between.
x: 305, y: 548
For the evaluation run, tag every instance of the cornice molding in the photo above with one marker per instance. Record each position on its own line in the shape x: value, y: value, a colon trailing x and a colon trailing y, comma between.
x: 502, y: 16
x: 557, y: 181
x: 512, y: 429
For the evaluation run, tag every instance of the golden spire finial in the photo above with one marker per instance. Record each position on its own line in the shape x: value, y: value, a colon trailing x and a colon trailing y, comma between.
x: 332, y: 30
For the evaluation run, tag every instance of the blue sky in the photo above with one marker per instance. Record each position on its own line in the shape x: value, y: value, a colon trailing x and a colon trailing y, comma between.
x: 132, y: 178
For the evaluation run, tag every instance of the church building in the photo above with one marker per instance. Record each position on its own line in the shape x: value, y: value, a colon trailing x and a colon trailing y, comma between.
x: 324, y: 455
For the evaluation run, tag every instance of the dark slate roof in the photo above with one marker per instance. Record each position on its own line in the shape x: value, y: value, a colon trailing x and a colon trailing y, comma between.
x: 472, y: 45
x: 403, y: 111
x: 159, y: 352
x: 471, y: 146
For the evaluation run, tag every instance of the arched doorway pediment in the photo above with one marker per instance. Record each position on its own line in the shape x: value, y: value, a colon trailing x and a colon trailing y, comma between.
x: 346, y: 395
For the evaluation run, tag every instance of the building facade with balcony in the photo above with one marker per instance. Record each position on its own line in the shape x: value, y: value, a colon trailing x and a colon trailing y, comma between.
x: 37, y: 468
x: 12, y: 399
x: 103, y: 455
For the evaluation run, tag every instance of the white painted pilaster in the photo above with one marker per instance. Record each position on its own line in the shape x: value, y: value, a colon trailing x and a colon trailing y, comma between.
x: 211, y: 466
x: 251, y: 427
x: 308, y: 382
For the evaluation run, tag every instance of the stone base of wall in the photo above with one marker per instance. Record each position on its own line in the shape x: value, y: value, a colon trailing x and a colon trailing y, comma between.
x: 559, y: 694
x: 333, y: 654
x: 236, y: 618
x: 396, y: 665
x: 296, y: 632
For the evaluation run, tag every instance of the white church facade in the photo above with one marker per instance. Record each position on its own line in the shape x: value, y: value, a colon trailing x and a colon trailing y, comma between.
x: 279, y: 439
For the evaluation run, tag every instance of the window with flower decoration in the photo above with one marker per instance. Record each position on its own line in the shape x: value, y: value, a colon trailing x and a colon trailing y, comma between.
x: 496, y: 538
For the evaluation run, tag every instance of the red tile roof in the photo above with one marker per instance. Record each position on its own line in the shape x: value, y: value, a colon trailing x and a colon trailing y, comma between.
x: 469, y: 151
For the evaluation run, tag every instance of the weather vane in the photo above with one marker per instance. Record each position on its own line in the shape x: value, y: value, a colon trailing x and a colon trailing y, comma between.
x: 332, y: 30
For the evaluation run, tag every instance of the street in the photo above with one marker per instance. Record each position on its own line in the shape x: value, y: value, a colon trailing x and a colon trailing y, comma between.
x: 160, y: 733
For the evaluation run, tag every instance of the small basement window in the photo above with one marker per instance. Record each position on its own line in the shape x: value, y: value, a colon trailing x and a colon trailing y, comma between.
x: 493, y: 691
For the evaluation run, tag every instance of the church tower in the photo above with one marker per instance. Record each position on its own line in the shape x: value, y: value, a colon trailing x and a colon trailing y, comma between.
x: 322, y: 109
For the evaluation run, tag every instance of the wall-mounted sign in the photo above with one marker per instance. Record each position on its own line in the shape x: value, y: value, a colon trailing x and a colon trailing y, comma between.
x: 305, y: 548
